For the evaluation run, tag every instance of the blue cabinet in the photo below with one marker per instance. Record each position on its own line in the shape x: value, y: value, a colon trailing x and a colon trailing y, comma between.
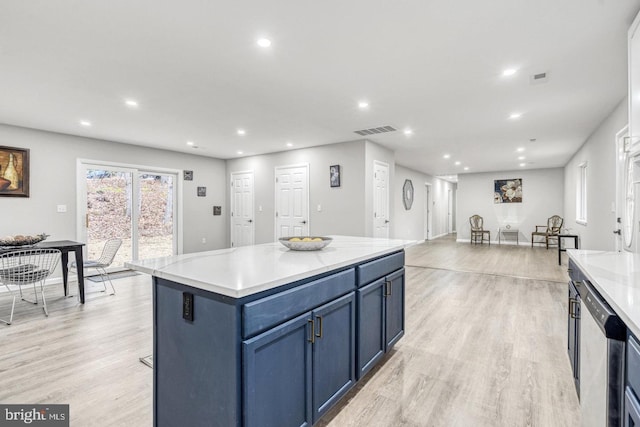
x: 277, y: 375
x: 280, y: 358
x: 380, y: 309
x: 394, y: 304
x: 371, y: 325
x: 334, y: 351
x: 308, y: 362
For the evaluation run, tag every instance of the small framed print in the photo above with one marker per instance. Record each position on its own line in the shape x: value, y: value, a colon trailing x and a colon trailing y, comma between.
x: 188, y: 175
x: 202, y: 191
x: 334, y: 175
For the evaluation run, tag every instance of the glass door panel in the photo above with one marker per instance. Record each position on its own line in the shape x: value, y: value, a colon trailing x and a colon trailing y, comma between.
x: 109, y: 211
x: 156, y: 225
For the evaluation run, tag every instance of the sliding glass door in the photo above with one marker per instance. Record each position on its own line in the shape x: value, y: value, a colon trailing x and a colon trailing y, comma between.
x: 137, y: 206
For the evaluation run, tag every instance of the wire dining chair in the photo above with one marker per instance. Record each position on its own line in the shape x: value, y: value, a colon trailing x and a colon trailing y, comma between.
x: 27, y: 267
x: 109, y: 251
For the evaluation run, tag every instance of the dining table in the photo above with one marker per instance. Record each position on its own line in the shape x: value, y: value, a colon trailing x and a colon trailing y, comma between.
x: 64, y: 246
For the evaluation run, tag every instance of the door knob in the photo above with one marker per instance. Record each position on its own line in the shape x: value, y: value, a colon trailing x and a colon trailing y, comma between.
x: 303, y: 222
x: 249, y: 220
x: 386, y: 221
x: 618, y: 232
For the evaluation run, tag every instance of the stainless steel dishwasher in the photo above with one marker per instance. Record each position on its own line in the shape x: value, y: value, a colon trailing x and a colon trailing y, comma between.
x: 602, y: 341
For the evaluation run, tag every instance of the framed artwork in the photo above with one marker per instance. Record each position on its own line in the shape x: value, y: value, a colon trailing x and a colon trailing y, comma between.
x: 334, y: 175
x: 202, y: 191
x: 507, y: 190
x: 407, y: 194
x: 14, y: 172
x: 188, y: 175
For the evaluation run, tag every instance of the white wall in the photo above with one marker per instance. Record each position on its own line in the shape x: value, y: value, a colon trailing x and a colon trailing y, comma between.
x: 411, y: 224
x: 599, y: 151
x: 342, y: 207
x: 543, y: 196
x: 53, y: 182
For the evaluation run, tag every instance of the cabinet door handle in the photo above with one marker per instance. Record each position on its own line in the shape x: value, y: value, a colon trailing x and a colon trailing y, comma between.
x: 319, y: 318
x: 312, y: 337
x: 387, y: 288
x: 573, y: 305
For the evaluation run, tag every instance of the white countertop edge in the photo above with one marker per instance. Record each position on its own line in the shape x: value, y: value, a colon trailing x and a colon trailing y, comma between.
x: 223, y: 290
x: 626, y: 318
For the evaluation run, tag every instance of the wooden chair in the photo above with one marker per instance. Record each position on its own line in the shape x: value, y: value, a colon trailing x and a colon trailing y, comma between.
x: 549, y: 232
x: 477, y: 230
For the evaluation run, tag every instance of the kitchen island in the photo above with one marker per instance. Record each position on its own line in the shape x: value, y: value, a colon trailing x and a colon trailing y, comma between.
x: 264, y: 336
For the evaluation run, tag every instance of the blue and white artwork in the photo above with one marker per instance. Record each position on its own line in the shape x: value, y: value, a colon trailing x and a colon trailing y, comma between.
x: 507, y: 190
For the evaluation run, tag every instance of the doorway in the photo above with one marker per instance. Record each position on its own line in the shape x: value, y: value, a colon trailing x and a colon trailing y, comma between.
x: 380, y: 199
x: 292, y: 201
x: 134, y: 204
x: 428, y: 207
x: 449, y: 211
x: 242, y: 211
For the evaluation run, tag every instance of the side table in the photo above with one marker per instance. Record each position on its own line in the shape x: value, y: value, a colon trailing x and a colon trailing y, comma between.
x: 560, y: 250
x: 504, y: 232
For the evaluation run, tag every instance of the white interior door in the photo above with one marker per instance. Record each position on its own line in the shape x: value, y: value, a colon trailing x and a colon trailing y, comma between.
x: 292, y: 201
x: 428, y: 204
x: 623, y: 223
x: 242, y: 213
x: 449, y: 212
x: 380, y: 199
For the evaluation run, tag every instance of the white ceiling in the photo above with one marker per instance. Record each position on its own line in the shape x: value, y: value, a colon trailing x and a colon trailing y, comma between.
x: 432, y: 66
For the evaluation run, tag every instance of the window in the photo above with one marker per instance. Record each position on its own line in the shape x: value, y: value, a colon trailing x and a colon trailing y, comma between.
x: 581, y: 195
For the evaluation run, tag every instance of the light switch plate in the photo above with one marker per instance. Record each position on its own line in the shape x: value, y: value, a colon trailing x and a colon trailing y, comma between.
x: 62, y: 208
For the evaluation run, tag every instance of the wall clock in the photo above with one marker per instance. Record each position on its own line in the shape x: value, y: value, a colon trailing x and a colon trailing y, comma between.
x: 407, y: 194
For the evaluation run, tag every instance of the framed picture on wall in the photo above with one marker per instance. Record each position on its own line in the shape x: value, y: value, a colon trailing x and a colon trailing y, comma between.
x: 14, y: 172
x: 334, y: 175
x: 507, y: 190
x: 202, y: 191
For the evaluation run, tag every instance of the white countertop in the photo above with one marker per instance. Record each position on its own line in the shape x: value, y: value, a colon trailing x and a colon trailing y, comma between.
x: 238, y: 272
x: 616, y: 275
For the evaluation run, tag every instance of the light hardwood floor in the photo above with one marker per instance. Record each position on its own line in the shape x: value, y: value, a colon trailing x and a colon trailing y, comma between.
x: 482, y: 348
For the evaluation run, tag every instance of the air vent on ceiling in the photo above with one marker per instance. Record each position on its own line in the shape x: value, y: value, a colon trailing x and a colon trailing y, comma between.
x: 374, y: 131
x: 539, y: 78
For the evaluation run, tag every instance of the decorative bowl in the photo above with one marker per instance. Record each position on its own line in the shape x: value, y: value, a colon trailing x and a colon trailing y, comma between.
x: 20, y: 240
x: 314, y: 243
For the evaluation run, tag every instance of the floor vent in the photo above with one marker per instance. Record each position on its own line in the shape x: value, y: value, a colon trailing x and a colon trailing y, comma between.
x: 374, y: 131
x: 539, y: 78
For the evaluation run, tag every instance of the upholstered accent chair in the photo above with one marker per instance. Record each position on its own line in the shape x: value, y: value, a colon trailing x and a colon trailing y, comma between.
x: 477, y: 230
x: 549, y: 233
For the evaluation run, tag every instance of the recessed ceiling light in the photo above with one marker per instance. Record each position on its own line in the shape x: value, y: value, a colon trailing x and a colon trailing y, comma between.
x: 289, y: 144
x: 131, y: 103
x: 520, y: 149
x: 521, y: 157
x: 523, y: 164
x: 264, y: 42
x: 514, y: 116
x: 446, y: 156
x: 466, y: 168
x: 242, y: 132
x: 457, y: 163
x: 86, y: 123
x: 240, y: 152
x: 509, y: 72
x: 363, y: 105
x: 190, y: 143
x: 408, y: 132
